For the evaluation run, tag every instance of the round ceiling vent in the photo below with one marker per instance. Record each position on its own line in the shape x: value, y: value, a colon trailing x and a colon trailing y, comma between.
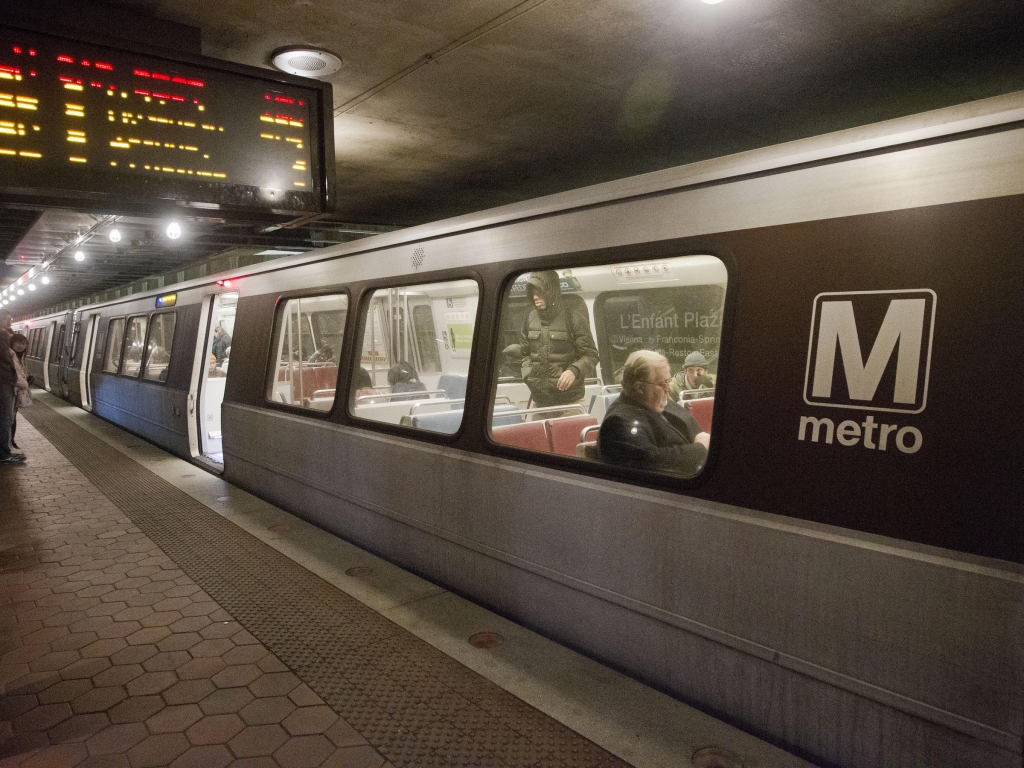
x: 306, y: 62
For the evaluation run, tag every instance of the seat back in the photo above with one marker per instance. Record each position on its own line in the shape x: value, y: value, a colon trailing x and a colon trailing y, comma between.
x: 445, y: 422
x: 702, y: 410
x: 601, y: 403
x: 530, y: 435
x: 453, y: 384
x: 564, y: 433
x: 499, y: 420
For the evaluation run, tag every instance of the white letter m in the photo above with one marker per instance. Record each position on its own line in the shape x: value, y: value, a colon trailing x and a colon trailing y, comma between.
x: 903, y: 324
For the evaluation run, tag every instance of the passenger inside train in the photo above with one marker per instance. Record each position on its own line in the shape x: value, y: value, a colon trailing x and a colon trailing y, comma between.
x: 624, y: 318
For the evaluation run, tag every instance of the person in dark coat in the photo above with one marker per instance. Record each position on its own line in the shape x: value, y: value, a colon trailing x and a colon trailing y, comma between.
x: 643, y: 428
x: 8, y: 383
x: 221, y: 343
x: 403, y: 378
x: 558, y: 349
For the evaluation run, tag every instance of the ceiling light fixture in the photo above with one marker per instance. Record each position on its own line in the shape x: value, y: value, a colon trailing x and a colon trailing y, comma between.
x: 31, y: 286
x: 79, y: 256
x: 21, y: 292
x: 174, y: 230
x: 45, y: 280
x: 115, y: 236
x: 305, y: 61
x: 711, y: 2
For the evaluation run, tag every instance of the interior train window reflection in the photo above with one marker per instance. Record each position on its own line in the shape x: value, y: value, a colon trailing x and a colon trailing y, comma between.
x: 307, y: 343
x: 158, y: 349
x: 134, y: 344
x: 614, y: 364
x: 414, y: 361
x: 115, y: 334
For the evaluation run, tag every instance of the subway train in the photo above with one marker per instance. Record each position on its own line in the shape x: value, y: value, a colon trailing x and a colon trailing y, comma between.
x: 841, y: 575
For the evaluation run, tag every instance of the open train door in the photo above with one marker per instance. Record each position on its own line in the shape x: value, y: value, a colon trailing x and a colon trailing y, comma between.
x: 209, y: 376
x: 51, y: 329
x: 88, y: 350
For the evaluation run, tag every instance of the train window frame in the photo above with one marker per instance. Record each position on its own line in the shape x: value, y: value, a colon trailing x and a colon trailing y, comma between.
x: 273, y: 360
x: 124, y: 341
x: 362, y: 309
x: 58, y: 345
x: 120, y: 344
x: 146, y: 349
x: 629, y: 255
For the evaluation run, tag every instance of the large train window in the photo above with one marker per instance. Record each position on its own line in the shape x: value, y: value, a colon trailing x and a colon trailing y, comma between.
x: 134, y: 344
x: 614, y: 364
x: 414, y: 361
x: 115, y: 335
x: 158, y: 349
x: 307, y: 339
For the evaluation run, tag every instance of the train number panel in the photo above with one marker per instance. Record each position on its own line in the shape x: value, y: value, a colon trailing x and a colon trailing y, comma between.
x: 80, y: 120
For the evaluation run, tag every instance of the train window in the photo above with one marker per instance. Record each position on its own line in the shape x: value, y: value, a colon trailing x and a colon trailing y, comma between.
x: 115, y: 335
x: 308, y: 338
x: 158, y: 349
x: 614, y: 364
x: 414, y: 373
x: 134, y: 344
x: 74, y: 342
x: 58, y: 345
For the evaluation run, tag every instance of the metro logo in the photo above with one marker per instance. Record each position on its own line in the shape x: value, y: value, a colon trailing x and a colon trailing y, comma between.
x: 844, y: 373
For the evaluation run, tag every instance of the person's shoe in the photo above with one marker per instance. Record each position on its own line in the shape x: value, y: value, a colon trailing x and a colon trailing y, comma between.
x: 15, y: 445
x: 14, y: 458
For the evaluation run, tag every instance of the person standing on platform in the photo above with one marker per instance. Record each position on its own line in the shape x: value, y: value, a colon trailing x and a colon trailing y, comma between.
x: 8, y: 385
x: 22, y: 393
x: 557, y: 347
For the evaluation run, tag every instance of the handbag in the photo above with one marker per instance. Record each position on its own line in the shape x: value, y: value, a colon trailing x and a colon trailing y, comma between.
x: 24, y: 398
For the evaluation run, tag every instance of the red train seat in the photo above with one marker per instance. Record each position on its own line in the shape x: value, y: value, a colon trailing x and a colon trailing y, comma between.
x: 564, y: 433
x: 530, y: 435
x: 702, y: 410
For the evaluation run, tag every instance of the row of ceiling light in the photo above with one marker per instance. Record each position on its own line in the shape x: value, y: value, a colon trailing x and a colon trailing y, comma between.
x: 27, y: 281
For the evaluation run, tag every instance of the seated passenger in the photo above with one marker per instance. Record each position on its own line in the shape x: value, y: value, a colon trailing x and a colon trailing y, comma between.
x: 694, y: 377
x: 215, y: 371
x: 644, y: 429
x: 511, y: 366
x: 323, y: 355
x: 402, y: 378
x: 221, y: 343
x: 364, y: 384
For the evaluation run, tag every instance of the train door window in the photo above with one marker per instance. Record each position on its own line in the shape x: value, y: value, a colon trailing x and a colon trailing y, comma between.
x: 307, y: 342
x: 414, y: 374
x: 158, y: 348
x: 73, y: 354
x: 115, y: 337
x: 614, y: 364
x: 134, y: 344
x: 58, y: 344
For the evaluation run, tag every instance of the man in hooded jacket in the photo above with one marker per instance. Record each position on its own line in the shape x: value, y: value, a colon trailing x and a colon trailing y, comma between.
x: 558, y: 350
x: 8, y: 381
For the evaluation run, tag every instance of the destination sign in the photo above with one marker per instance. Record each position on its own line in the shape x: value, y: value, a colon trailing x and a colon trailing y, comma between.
x: 105, y: 123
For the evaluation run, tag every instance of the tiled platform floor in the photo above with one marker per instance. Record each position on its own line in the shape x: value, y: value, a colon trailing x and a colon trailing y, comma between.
x: 110, y: 655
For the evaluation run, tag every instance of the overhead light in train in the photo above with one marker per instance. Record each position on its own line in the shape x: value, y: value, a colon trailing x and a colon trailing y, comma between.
x: 115, y: 236
x: 174, y: 230
x: 45, y: 280
x: 79, y: 256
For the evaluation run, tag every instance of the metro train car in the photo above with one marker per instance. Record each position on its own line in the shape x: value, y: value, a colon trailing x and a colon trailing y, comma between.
x: 842, y: 574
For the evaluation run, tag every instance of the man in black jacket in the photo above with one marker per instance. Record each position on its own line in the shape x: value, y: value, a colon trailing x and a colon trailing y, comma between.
x: 8, y: 380
x: 643, y: 428
x: 558, y: 349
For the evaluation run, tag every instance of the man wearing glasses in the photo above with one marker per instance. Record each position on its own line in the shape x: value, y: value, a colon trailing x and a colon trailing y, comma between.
x: 645, y: 429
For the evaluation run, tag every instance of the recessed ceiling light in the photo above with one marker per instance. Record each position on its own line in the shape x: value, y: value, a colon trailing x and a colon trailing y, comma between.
x: 45, y: 280
x: 115, y: 236
x: 305, y: 61
x: 79, y: 256
x: 31, y: 286
x: 174, y: 230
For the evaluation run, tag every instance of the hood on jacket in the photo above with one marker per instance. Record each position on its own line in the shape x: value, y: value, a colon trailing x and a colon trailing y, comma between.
x: 547, y: 285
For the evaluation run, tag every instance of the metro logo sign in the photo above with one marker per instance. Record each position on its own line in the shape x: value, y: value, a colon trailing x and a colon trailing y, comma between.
x: 870, y: 350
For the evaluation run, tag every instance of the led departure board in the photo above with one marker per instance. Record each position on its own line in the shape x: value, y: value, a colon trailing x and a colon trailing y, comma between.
x: 91, y: 122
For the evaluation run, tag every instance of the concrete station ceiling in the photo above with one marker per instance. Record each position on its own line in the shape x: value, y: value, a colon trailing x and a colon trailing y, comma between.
x: 443, y: 108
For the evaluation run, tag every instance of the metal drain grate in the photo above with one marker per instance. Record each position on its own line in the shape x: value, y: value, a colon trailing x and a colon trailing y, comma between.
x: 409, y: 700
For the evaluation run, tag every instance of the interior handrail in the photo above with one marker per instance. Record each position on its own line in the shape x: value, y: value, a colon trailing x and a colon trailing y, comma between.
x: 591, y: 381
x: 428, y: 403
x: 609, y: 389
x: 547, y: 409
x: 414, y: 395
x: 704, y: 393
x: 587, y: 430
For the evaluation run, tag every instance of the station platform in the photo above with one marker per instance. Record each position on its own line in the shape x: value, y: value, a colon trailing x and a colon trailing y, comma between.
x: 153, y: 615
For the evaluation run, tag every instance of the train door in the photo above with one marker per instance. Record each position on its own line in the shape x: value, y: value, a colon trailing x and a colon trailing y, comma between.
x: 46, y: 354
x: 85, y: 370
x: 213, y: 358
x: 66, y: 355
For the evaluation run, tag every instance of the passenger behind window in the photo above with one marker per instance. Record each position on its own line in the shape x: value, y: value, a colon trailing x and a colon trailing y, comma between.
x: 403, y: 378
x: 364, y: 384
x: 324, y: 355
x: 221, y: 348
x: 558, y: 350
x: 645, y: 429
x: 511, y: 366
x: 688, y: 383
x: 215, y: 371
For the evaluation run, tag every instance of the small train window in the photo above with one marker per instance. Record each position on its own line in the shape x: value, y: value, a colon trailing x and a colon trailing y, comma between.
x: 414, y: 362
x: 115, y: 335
x: 307, y: 339
x: 614, y: 364
x: 158, y: 349
x: 134, y: 344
